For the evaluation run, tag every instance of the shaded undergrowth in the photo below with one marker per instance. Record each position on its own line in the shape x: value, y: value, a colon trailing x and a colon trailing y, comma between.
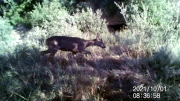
x: 25, y: 76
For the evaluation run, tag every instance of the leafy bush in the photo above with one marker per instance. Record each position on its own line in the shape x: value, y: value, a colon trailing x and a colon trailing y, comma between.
x: 153, y: 23
x: 156, y: 22
x: 11, y: 10
x: 89, y: 21
x: 5, y: 29
x: 8, y: 38
x: 56, y: 22
x: 16, y: 11
x: 157, y: 12
x: 60, y: 21
x: 43, y: 13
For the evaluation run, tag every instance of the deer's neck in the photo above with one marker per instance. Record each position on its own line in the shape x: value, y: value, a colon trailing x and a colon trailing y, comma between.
x: 89, y: 43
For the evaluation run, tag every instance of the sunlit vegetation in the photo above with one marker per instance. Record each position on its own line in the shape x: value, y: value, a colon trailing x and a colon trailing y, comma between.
x: 146, y: 53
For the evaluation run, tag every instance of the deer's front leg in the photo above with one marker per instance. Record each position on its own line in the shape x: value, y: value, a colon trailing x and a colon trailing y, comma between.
x: 52, y: 53
x: 43, y: 53
x: 86, y: 52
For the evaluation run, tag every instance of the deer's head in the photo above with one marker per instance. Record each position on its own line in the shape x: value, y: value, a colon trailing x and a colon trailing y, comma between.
x: 99, y: 42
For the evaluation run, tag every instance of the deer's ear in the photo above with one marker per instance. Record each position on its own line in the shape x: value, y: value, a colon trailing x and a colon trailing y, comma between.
x: 98, y: 36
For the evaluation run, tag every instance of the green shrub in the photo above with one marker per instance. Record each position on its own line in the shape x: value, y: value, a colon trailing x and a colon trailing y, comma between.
x: 5, y: 35
x: 5, y: 29
x: 56, y: 22
x: 15, y: 11
x: 60, y: 22
x: 87, y: 21
x: 156, y: 22
x: 162, y: 13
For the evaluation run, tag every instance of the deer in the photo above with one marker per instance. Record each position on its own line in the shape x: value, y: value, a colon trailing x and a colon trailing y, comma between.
x: 73, y: 44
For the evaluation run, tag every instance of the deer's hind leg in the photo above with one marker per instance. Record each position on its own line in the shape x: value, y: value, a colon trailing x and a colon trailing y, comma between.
x: 52, y: 53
